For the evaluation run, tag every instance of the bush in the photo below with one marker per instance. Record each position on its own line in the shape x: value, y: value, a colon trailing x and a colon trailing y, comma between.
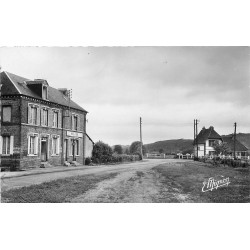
x: 87, y: 161
x: 124, y: 158
x: 102, y: 153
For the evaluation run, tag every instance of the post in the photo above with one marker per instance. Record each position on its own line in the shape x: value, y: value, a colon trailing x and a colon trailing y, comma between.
x: 0, y: 108
x: 194, y: 138
x: 141, y: 137
x: 234, y: 138
x: 196, y: 132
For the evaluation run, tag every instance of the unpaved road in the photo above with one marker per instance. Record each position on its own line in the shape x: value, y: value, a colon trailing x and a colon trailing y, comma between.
x: 128, y: 169
x: 149, y: 181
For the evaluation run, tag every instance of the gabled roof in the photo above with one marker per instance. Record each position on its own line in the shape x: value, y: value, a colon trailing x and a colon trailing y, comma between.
x: 16, y: 85
x: 206, y: 134
x: 230, y: 143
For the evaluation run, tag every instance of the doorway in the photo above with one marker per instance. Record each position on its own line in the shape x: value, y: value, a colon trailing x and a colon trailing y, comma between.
x: 44, y: 150
x: 65, y: 153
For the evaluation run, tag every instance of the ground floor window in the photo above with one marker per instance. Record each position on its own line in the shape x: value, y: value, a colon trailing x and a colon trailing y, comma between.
x: 55, y: 145
x: 6, y: 145
x: 77, y: 147
x: 33, y: 144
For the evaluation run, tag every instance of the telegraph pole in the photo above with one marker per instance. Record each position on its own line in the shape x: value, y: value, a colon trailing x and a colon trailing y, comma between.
x: 0, y: 108
x: 235, y: 125
x: 141, y: 137
x: 196, y: 132
x: 194, y: 136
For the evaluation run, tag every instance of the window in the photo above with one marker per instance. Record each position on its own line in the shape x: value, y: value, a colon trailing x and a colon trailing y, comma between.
x: 55, y: 119
x: 6, y: 145
x: 33, y: 115
x: 211, y: 143
x: 74, y: 120
x: 55, y: 144
x: 33, y: 144
x: 45, y: 92
x: 44, y: 117
x: 6, y: 113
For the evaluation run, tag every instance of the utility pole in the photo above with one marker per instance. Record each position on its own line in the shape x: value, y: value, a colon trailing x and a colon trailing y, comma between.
x: 141, y: 137
x: 196, y: 134
x: 0, y: 109
x: 235, y: 124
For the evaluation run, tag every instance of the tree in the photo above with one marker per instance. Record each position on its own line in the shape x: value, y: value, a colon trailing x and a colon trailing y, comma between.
x: 101, y: 153
x: 135, y: 148
x: 161, y: 150
x: 221, y: 148
x: 118, y: 149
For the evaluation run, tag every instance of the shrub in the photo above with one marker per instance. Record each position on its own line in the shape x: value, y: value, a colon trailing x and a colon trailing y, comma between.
x: 87, y: 161
x: 102, y: 153
x: 118, y: 149
x: 124, y: 158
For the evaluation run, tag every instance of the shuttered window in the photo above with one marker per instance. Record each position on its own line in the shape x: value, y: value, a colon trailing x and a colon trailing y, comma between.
x: 33, y: 144
x: 6, y: 113
x: 55, y: 119
x: 44, y: 117
x: 6, y: 147
x: 55, y: 144
x: 33, y: 115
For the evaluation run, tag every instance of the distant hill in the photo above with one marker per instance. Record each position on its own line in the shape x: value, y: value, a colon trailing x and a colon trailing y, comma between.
x: 171, y: 146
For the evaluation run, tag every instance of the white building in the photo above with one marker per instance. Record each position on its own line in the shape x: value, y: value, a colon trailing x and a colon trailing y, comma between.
x: 204, y: 142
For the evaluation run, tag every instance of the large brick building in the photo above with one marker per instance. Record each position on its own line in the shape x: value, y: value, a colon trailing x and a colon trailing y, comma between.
x: 40, y: 125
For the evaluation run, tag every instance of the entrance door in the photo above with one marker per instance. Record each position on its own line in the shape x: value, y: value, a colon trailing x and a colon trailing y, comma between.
x: 74, y: 150
x: 65, y: 153
x: 44, y: 150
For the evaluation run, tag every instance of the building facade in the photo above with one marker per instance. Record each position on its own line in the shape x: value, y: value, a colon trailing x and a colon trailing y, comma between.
x: 41, y: 125
x: 203, y: 144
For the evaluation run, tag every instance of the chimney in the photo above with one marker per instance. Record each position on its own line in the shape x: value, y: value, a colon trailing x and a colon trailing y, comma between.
x: 64, y: 91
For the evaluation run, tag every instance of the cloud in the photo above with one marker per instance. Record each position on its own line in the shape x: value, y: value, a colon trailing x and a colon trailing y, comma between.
x: 167, y: 86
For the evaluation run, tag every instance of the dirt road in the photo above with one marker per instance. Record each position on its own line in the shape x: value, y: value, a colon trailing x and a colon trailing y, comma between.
x: 149, y: 181
x: 129, y: 168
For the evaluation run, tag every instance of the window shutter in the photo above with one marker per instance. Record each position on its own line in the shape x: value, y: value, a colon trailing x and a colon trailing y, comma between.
x: 28, y: 145
x: 72, y: 122
x: 59, y: 119
x: 42, y: 122
x: 29, y: 115
x: 38, y: 116
x: 1, y: 144
x: 11, y: 144
x: 58, y: 146
x: 36, y: 145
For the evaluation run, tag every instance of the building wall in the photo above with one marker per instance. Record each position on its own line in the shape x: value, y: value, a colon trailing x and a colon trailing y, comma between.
x: 21, y: 129
x: 12, y: 129
x: 88, y: 147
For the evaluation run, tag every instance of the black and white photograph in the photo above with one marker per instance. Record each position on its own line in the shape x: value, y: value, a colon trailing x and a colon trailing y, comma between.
x: 125, y: 124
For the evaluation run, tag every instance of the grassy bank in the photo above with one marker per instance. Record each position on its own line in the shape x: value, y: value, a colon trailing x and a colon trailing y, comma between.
x: 62, y: 190
x: 189, y: 177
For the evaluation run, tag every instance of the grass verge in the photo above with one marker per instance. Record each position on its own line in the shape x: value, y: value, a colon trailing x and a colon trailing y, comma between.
x: 57, y: 191
x: 189, y: 177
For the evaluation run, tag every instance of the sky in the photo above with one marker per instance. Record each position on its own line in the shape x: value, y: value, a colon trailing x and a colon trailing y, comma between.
x: 168, y: 87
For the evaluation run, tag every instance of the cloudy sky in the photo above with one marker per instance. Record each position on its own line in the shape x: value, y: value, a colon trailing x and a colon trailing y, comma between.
x: 168, y: 87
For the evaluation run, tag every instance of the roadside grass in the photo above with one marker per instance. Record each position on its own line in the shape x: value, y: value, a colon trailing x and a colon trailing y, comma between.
x: 189, y: 177
x: 57, y: 191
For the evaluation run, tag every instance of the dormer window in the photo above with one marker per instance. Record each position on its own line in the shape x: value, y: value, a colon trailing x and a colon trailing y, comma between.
x: 45, y: 93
